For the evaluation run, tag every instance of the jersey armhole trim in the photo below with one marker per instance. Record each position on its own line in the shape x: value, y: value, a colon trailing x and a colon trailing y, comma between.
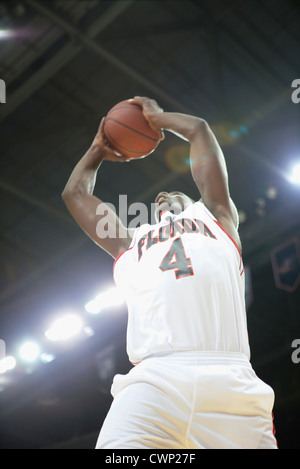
x: 208, y: 212
x: 241, y: 267
x: 126, y: 250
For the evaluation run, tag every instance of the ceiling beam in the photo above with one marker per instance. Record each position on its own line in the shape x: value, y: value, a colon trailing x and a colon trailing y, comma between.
x: 78, y: 41
x: 61, y: 58
x: 234, y: 41
x: 85, y: 40
x: 34, y: 201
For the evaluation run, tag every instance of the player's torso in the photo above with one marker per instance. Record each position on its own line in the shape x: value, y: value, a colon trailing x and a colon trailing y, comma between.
x: 182, y: 280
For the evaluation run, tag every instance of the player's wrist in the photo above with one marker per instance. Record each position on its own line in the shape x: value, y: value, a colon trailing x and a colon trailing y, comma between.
x: 182, y: 125
x: 154, y: 120
x: 96, y: 154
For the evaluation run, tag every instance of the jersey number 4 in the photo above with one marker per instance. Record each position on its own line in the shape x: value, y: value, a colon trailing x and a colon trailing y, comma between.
x: 176, y: 259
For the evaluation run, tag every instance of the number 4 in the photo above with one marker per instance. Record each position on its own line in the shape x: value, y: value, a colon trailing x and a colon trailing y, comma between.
x: 176, y: 259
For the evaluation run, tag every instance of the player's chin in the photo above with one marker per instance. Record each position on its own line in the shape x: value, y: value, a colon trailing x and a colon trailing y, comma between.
x: 160, y: 208
x: 157, y: 215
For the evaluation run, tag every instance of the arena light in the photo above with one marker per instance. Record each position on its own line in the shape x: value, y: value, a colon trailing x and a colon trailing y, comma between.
x: 295, y: 174
x: 6, y: 33
x: 64, y: 328
x: 29, y: 351
x: 7, y: 364
x: 47, y: 357
x: 105, y: 300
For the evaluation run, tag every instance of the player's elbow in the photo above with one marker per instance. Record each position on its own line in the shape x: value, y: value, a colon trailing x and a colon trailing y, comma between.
x: 199, y: 128
x: 68, y: 194
x: 72, y: 201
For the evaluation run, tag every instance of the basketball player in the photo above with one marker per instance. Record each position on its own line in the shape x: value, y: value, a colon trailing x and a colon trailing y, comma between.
x: 192, y: 385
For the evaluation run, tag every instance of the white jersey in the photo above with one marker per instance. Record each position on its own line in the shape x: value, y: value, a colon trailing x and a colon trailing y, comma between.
x: 183, y: 281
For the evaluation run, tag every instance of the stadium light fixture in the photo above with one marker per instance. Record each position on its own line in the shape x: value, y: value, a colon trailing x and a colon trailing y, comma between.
x: 6, y: 34
x: 8, y: 363
x: 64, y: 328
x: 29, y: 351
x: 105, y: 300
x: 295, y: 174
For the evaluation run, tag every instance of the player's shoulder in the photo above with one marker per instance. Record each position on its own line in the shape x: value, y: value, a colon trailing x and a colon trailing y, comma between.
x: 198, y: 208
x: 226, y: 220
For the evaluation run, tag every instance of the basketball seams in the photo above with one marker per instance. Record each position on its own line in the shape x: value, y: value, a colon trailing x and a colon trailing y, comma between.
x: 117, y: 146
x: 128, y: 132
x: 130, y: 128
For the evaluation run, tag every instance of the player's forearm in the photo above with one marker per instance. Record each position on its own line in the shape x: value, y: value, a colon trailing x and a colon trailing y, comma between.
x: 83, y: 177
x: 205, y: 149
x: 183, y: 125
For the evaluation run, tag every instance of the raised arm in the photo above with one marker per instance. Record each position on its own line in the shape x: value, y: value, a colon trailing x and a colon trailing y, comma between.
x: 84, y: 206
x: 208, y: 164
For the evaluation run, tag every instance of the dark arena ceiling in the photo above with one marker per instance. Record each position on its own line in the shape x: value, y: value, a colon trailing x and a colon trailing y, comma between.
x: 65, y: 63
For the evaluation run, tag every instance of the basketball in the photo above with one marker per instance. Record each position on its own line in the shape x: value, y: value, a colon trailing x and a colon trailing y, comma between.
x: 128, y: 132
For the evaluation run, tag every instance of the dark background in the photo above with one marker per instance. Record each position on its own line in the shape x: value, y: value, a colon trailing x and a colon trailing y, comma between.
x: 65, y: 65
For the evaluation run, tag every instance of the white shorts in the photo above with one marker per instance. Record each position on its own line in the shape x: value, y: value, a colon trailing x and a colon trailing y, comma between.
x: 190, y: 400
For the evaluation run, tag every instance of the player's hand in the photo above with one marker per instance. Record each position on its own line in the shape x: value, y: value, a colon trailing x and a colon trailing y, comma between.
x: 106, y: 152
x: 150, y: 109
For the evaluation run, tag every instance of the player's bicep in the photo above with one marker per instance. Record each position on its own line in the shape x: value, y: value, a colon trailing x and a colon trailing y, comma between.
x: 100, y: 222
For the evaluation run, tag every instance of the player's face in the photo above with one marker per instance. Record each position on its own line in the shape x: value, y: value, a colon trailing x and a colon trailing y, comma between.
x: 174, y: 202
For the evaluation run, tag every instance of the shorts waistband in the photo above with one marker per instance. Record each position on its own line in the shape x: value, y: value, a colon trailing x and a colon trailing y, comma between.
x: 203, y: 358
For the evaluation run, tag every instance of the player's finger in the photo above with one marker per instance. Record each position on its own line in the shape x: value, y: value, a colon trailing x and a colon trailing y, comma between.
x: 162, y: 135
x: 101, y: 126
x: 113, y: 155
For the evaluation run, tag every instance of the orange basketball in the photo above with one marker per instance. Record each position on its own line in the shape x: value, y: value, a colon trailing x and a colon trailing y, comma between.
x: 128, y: 132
